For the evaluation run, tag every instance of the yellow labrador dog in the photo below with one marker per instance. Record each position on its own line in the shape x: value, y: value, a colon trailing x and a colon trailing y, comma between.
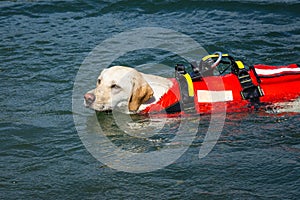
x: 126, y: 89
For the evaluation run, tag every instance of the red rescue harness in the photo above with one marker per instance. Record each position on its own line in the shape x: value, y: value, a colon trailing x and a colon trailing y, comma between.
x: 168, y: 100
x: 213, y: 93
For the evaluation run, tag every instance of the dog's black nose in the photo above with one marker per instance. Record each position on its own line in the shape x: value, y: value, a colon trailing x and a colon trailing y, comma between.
x: 89, y: 98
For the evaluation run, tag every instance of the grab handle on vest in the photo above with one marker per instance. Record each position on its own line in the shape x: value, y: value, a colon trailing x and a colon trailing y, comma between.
x: 190, y: 84
x: 240, y: 64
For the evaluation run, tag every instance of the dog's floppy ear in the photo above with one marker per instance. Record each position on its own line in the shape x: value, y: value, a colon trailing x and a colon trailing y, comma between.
x: 141, y: 92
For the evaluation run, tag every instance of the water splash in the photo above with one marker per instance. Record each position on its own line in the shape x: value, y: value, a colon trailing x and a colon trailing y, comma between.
x: 285, y: 107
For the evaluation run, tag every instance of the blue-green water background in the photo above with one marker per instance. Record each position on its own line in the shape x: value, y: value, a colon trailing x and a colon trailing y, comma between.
x: 42, y: 45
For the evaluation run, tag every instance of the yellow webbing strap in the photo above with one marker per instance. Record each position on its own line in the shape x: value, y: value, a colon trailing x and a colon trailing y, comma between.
x: 190, y: 84
x: 213, y: 56
x: 240, y: 64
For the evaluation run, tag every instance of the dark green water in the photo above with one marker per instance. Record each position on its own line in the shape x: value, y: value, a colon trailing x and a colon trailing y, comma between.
x: 42, y: 46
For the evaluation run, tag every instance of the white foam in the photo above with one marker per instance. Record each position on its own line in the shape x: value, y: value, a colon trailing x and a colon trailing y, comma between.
x: 293, y: 106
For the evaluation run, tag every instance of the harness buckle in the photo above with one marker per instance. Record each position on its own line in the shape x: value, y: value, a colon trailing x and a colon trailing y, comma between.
x: 249, y: 91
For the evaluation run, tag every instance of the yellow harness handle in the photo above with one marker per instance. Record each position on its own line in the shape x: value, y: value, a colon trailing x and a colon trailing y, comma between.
x: 240, y: 64
x: 213, y: 56
x: 190, y: 84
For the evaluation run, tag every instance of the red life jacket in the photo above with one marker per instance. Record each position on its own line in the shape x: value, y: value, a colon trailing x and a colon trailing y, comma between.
x: 214, y: 93
x: 168, y: 100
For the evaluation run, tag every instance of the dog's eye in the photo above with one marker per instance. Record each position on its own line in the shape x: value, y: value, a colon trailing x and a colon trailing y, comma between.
x: 99, y: 81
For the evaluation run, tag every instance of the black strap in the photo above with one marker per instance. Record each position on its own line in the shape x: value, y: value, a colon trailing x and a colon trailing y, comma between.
x: 249, y: 91
x: 186, y: 102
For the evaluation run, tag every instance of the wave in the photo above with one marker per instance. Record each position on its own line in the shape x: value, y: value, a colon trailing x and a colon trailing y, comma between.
x: 92, y: 8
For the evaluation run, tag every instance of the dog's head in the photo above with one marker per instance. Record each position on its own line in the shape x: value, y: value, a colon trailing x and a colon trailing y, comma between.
x: 120, y: 88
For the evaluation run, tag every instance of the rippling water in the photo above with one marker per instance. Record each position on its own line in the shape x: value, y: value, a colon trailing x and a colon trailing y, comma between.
x: 43, y: 44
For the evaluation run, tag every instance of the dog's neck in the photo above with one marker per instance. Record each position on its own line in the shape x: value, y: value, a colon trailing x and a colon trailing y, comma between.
x: 159, y: 85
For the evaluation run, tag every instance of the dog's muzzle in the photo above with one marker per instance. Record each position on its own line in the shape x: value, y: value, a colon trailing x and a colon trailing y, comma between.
x: 89, y: 99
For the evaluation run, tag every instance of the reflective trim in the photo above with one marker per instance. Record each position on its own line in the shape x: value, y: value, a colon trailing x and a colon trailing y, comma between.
x: 206, y: 96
